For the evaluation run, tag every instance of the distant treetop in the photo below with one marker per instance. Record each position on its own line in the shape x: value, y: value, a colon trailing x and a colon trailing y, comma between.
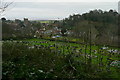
x: 3, y: 19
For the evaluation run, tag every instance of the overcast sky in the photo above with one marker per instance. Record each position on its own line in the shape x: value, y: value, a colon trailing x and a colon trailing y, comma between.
x: 42, y: 10
x: 63, y: 0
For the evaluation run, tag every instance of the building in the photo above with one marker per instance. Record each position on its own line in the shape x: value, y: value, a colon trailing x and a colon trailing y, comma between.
x: 26, y: 21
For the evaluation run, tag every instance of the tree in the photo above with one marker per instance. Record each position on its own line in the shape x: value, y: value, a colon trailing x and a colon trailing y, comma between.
x: 82, y: 30
x: 3, y: 19
x: 4, y: 5
x: 63, y: 31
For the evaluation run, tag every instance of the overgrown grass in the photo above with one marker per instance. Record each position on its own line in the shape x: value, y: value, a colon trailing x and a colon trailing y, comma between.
x: 20, y: 60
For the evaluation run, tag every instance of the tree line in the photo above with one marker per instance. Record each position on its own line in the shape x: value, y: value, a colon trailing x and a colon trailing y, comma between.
x: 103, y: 25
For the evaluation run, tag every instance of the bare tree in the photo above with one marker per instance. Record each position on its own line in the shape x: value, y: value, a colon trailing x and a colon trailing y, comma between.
x: 4, y: 5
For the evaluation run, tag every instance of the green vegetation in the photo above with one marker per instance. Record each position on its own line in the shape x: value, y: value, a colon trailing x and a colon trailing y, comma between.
x: 46, y: 21
x: 80, y: 46
x: 38, y: 59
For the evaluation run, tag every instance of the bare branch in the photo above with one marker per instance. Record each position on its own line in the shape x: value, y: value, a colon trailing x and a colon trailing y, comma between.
x: 3, y: 6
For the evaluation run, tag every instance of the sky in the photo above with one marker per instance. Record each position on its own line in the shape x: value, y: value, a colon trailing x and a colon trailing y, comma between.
x: 63, y: 0
x: 55, y: 9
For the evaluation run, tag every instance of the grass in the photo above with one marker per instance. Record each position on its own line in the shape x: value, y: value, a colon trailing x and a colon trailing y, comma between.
x: 46, y: 21
x: 68, y: 47
x: 43, y: 59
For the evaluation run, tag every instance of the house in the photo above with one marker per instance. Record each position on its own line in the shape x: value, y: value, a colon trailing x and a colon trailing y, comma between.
x: 48, y: 32
x: 69, y: 32
x: 57, y: 36
x: 26, y: 22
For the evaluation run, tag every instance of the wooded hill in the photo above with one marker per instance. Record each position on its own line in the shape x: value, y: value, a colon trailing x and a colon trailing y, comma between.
x: 102, y: 26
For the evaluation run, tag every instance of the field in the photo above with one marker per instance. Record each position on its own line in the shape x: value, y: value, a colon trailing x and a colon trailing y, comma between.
x: 40, y: 58
x: 46, y: 21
